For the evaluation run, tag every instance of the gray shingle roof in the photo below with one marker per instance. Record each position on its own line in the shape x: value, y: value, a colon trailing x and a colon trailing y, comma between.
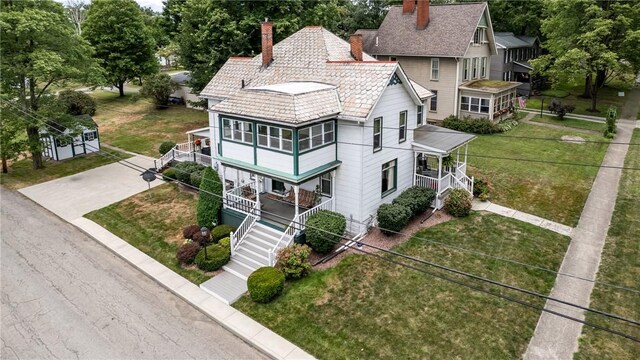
x: 312, y: 54
x: 294, y: 102
x: 440, y: 139
x: 451, y: 28
x: 509, y: 40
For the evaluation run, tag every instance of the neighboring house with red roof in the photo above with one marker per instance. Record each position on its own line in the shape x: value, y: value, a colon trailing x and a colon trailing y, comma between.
x: 314, y: 123
x: 446, y: 49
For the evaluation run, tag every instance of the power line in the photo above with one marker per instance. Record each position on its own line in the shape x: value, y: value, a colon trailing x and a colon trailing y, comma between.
x: 458, y: 272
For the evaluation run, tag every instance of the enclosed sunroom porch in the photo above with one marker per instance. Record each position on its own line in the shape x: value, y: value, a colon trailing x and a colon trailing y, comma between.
x: 440, y: 160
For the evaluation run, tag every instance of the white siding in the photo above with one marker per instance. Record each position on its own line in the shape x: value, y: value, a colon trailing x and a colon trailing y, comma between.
x: 65, y: 152
x: 349, y: 175
x: 237, y: 151
x: 316, y: 158
x: 273, y: 160
x: 394, y: 100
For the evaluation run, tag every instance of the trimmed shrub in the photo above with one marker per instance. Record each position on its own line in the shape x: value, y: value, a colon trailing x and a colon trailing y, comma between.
x: 610, y: 130
x: 393, y: 217
x: 187, y: 252
x: 417, y: 199
x: 166, y: 146
x: 77, y: 102
x: 189, y: 231
x: 225, y: 242
x: 170, y: 174
x: 293, y: 261
x: 158, y: 87
x: 210, y: 198
x: 458, y: 203
x: 195, y: 178
x: 217, y: 256
x: 185, y: 169
x: 467, y: 124
x: 481, y: 189
x: 265, y: 284
x: 324, y: 230
x: 557, y: 107
x: 221, y: 232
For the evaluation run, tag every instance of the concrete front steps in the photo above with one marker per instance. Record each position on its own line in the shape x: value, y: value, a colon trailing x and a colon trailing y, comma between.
x: 252, y: 254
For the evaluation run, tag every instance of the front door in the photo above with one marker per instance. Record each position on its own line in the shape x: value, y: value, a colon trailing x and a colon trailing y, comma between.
x: 78, y: 146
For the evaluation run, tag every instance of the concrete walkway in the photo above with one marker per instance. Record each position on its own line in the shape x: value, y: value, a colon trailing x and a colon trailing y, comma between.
x: 233, y: 320
x: 522, y: 216
x: 556, y: 337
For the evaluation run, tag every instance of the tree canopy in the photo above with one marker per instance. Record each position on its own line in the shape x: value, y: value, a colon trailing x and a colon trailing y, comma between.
x: 122, y: 41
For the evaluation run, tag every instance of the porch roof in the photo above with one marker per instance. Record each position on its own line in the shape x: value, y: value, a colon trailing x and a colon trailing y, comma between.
x: 279, y: 175
x: 202, y: 132
x: 438, y: 139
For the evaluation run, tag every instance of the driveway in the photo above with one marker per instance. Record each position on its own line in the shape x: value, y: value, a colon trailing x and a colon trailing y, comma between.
x: 73, y: 196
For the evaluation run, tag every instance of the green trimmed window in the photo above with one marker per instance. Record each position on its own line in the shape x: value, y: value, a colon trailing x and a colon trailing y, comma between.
x: 316, y: 136
x: 389, y: 177
x: 402, y: 126
x: 274, y: 137
x: 325, y: 184
x: 237, y: 130
x: 377, y: 134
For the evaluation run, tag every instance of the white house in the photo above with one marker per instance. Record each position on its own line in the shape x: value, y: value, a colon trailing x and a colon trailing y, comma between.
x: 57, y: 143
x: 314, y: 123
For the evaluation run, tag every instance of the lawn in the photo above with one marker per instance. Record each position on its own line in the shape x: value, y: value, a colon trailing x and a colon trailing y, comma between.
x: 607, y: 96
x: 154, y: 226
x: 570, y: 123
x: 135, y: 124
x: 370, y: 309
x: 21, y: 173
x: 554, y: 192
x: 620, y: 265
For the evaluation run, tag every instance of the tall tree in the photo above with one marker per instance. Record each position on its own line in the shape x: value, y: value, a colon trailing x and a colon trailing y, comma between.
x: 11, y: 141
x: 519, y: 17
x: 122, y: 41
x: 39, y: 48
x: 77, y: 11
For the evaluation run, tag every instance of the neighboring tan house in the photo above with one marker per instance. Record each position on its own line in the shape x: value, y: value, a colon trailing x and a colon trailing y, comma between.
x: 446, y: 49
x: 57, y: 143
x: 315, y: 124
x: 512, y: 61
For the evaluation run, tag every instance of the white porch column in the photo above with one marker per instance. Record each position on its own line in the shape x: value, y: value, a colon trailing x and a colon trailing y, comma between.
x: 190, y: 139
x: 439, y: 173
x: 333, y: 190
x: 466, y: 146
x: 258, y: 181
x: 296, y: 190
x: 415, y: 167
x: 224, y: 186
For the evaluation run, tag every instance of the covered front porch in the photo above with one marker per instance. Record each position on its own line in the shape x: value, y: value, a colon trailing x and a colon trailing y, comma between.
x: 197, y: 149
x: 440, y: 160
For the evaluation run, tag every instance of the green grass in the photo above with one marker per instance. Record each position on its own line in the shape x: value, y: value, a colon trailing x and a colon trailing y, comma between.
x: 556, y: 93
x: 154, y: 226
x: 554, y: 192
x: 21, y: 173
x: 570, y: 123
x: 366, y: 308
x: 607, y: 96
x: 620, y: 265
x: 135, y: 124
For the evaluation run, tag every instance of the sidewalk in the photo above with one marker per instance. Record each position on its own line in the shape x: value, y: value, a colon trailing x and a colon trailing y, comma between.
x: 522, y: 216
x: 233, y: 320
x: 556, y: 337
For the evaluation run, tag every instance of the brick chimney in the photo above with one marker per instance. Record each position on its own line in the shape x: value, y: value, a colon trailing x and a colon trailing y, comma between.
x: 422, y: 20
x: 267, y: 43
x: 356, y: 46
x: 408, y: 6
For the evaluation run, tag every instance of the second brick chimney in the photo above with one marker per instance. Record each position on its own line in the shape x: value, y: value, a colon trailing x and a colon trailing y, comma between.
x: 422, y: 18
x: 267, y: 43
x: 408, y: 6
x: 356, y: 46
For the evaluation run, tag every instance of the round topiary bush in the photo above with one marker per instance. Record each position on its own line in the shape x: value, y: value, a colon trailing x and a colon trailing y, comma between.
x: 170, y: 174
x: 393, y: 217
x: 166, y: 146
x: 187, y: 252
x: 294, y: 261
x: 77, y: 102
x: 417, y: 199
x: 189, y: 231
x: 324, y: 230
x: 217, y: 256
x: 220, y: 232
x: 458, y: 203
x: 265, y: 284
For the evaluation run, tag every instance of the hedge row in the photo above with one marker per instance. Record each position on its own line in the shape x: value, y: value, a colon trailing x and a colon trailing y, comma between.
x: 411, y: 202
x: 478, y: 126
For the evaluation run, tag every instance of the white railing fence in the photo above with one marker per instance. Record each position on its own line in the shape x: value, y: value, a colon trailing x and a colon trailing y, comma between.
x: 241, y: 204
x: 463, y: 182
x: 239, y: 191
x: 166, y: 158
x: 426, y: 182
x: 244, y: 228
x: 186, y: 147
x: 184, y: 152
x: 284, y: 241
x: 303, y: 217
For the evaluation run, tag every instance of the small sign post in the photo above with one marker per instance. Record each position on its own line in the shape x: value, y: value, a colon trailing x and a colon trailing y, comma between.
x: 149, y: 176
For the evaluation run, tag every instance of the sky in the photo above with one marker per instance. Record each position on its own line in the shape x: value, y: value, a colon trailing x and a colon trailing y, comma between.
x: 156, y: 5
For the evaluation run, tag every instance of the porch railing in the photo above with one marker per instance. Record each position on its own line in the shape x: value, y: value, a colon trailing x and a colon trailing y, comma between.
x: 239, y: 190
x: 238, y: 236
x: 284, y: 241
x: 186, y: 147
x: 166, y: 158
x: 462, y: 182
x: 426, y: 182
x: 303, y: 217
x: 241, y: 204
x: 184, y: 152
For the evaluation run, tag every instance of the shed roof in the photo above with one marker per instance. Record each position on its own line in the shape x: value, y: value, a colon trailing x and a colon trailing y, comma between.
x: 450, y: 29
x: 439, y: 139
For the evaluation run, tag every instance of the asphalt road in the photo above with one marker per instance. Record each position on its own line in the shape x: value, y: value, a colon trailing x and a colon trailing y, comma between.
x: 65, y: 296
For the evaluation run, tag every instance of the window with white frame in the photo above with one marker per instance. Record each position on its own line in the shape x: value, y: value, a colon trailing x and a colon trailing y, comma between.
x: 433, y: 102
x: 389, y: 181
x: 478, y: 36
x: 435, y: 69
x: 420, y: 114
x: 474, y: 104
x: 91, y: 135
x: 325, y: 184
x: 474, y: 67
x: 237, y: 130
x: 465, y: 69
x: 315, y: 136
x: 483, y: 67
x: 377, y: 134
x: 402, y: 126
x: 274, y: 137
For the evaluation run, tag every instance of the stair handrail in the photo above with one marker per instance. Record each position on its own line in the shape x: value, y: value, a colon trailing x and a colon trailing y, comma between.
x: 288, y: 232
x: 463, y: 182
x: 241, y: 232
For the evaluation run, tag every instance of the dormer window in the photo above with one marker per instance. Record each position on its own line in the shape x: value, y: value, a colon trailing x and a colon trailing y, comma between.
x: 479, y: 36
